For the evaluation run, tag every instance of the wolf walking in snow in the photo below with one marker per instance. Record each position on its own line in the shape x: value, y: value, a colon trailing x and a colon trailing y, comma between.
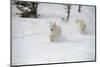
x: 55, y: 32
x: 81, y: 25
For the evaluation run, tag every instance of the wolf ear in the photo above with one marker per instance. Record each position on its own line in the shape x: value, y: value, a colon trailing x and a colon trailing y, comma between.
x: 50, y: 22
x: 55, y: 23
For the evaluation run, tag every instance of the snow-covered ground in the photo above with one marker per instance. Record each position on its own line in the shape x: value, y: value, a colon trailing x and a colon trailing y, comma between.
x: 30, y: 37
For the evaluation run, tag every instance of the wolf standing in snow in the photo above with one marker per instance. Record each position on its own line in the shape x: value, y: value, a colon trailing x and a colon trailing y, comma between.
x: 55, y: 32
x: 81, y: 25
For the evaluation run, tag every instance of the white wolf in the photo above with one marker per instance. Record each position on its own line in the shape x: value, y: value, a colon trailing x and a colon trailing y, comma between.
x: 81, y: 25
x: 55, y: 32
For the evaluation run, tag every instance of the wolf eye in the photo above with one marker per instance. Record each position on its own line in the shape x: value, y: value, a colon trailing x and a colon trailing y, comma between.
x: 51, y: 29
x: 82, y: 29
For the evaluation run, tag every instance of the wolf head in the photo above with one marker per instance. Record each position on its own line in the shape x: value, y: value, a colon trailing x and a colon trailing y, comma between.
x: 52, y: 26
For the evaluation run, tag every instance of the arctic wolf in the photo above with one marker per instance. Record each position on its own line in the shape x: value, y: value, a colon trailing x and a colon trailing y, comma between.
x: 81, y: 25
x: 55, y: 32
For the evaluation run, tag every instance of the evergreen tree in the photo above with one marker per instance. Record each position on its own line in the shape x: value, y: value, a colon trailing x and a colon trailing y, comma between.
x: 28, y: 9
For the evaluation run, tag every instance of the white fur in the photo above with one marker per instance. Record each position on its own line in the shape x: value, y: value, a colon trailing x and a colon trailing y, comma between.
x: 55, y: 32
x: 81, y: 25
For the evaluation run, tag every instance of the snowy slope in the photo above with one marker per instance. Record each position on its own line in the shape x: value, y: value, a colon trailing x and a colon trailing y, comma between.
x: 30, y: 37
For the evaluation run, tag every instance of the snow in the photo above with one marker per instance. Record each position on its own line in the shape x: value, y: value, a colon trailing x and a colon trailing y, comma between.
x: 30, y: 36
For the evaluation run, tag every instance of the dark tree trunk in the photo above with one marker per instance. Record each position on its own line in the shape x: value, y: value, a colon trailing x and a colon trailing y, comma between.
x: 68, y: 12
x: 79, y: 8
x: 67, y: 8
